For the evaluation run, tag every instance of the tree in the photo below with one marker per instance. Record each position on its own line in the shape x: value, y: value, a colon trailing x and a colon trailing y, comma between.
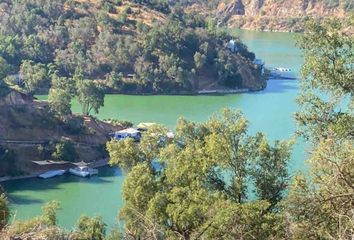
x: 49, y: 213
x: 199, y: 60
x: 321, y: 207
x: 60, y: 102
x: 115, y: 80
x: 64, y: 83
x: 33, y: 74
x: 89, y: 229
x: 8, y: 162
x: 4, y: 210
x: 175, y: 188
x: 90, y: 96
x: 64, y: 150
x: 5, y: 68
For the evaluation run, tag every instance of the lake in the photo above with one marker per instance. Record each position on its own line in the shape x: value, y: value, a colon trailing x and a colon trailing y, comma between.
x: 270, y: 111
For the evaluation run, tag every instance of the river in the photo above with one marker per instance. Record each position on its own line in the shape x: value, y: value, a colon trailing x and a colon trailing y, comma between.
x: 270, y: 111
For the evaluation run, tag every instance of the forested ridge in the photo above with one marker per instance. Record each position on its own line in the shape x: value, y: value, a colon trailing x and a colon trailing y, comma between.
x: 118, y: 46
x: 215, y: 180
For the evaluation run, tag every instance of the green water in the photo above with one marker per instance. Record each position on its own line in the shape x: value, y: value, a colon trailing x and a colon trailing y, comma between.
x: 270, y: 111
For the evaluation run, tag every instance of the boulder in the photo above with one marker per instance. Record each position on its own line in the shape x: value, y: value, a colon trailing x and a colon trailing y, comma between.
x: 15, y: 98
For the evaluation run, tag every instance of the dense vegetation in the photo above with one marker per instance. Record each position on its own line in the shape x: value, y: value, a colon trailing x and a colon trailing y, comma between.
x: 216, y: 181
x: 212, y: 177
x: 347, y: 5
x: 106, y: 47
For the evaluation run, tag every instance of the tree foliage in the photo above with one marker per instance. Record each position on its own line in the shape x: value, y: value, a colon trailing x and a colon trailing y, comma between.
x: 64, y: 150
x: 33, y: 74
x: 88, y: 228
x: 175, y: 187
x: 321, y: 207
x: 4, y: 210
x: 90, y: 96
x: 60, y: 102
x: 101, y: 39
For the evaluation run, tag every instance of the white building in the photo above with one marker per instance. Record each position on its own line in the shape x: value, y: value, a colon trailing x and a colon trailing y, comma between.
x: 232, y: 46
x: 127, y: 133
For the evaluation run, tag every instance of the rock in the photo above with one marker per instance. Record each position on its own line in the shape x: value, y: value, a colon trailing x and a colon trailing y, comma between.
x: 254, y: 7
x: 226, y: 11
x: 280, y: 15
x: 15, y: 98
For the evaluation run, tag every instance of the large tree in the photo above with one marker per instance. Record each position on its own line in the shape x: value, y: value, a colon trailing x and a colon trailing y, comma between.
x: 33, y: 74
x: 90, y: 96
x: 176, y: 188
x: 60, y: 101
x: 321, y: 207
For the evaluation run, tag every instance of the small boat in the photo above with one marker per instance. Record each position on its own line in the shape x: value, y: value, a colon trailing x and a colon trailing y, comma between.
x: 282, y: 69
x: 52, y: 173
x: 83, y: 171
x: 282, y: 73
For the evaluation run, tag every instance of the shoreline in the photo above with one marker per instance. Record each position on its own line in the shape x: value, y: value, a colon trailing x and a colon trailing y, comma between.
x: 201, y: 92
x: 96, y: 164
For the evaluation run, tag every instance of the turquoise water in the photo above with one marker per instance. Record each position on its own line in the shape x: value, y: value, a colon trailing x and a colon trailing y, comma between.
x: 270, y: 111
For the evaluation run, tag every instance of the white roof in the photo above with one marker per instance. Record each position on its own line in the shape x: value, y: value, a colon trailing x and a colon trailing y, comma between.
x: 170, y: 134
x: 129, y: 131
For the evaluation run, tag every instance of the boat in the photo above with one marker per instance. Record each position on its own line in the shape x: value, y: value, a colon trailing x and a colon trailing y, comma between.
x: 83, y: 171
x: 282, y: 73
x: 52, y: 173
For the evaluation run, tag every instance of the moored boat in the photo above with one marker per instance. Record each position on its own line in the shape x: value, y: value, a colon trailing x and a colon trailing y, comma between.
x: 282, y: 73
x: 83, y: 171
x: 52, y: 173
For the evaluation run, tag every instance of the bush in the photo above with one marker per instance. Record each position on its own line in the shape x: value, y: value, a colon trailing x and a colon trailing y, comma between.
x: 8, y: 162
x: 64, y: 150
x: 90, y: 228
x: 74, y: 126
x: 4, y: 210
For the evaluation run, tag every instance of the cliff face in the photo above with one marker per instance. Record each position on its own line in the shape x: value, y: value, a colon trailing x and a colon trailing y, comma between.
x: 282, y: 15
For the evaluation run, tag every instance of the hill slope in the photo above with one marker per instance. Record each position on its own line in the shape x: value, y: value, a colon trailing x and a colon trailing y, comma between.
x: 124, y: 46
x: 283, y: 15
x: 29, y: 131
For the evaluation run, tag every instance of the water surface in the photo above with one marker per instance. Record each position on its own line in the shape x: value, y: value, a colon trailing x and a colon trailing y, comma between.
x: 270, y: 111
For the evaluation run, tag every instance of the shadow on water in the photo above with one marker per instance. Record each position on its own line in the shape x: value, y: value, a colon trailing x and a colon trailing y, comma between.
x: 24, y: 200
x: 279, y: 86
x: 16, y: 187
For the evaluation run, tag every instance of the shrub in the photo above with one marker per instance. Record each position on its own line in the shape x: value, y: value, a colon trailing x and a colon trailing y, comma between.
x: 64, y: 150
x: 8, y: 162
x: 4, y: 211
x: 74, y: 125
x: 90, y: 228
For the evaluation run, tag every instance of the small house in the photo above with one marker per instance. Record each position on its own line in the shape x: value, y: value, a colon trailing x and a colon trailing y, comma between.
x: 127, y: 133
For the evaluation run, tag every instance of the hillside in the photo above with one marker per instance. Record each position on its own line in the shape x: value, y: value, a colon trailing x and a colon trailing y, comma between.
x: 30, y: 132
x: 276, y: 15
x: 133, y: 47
